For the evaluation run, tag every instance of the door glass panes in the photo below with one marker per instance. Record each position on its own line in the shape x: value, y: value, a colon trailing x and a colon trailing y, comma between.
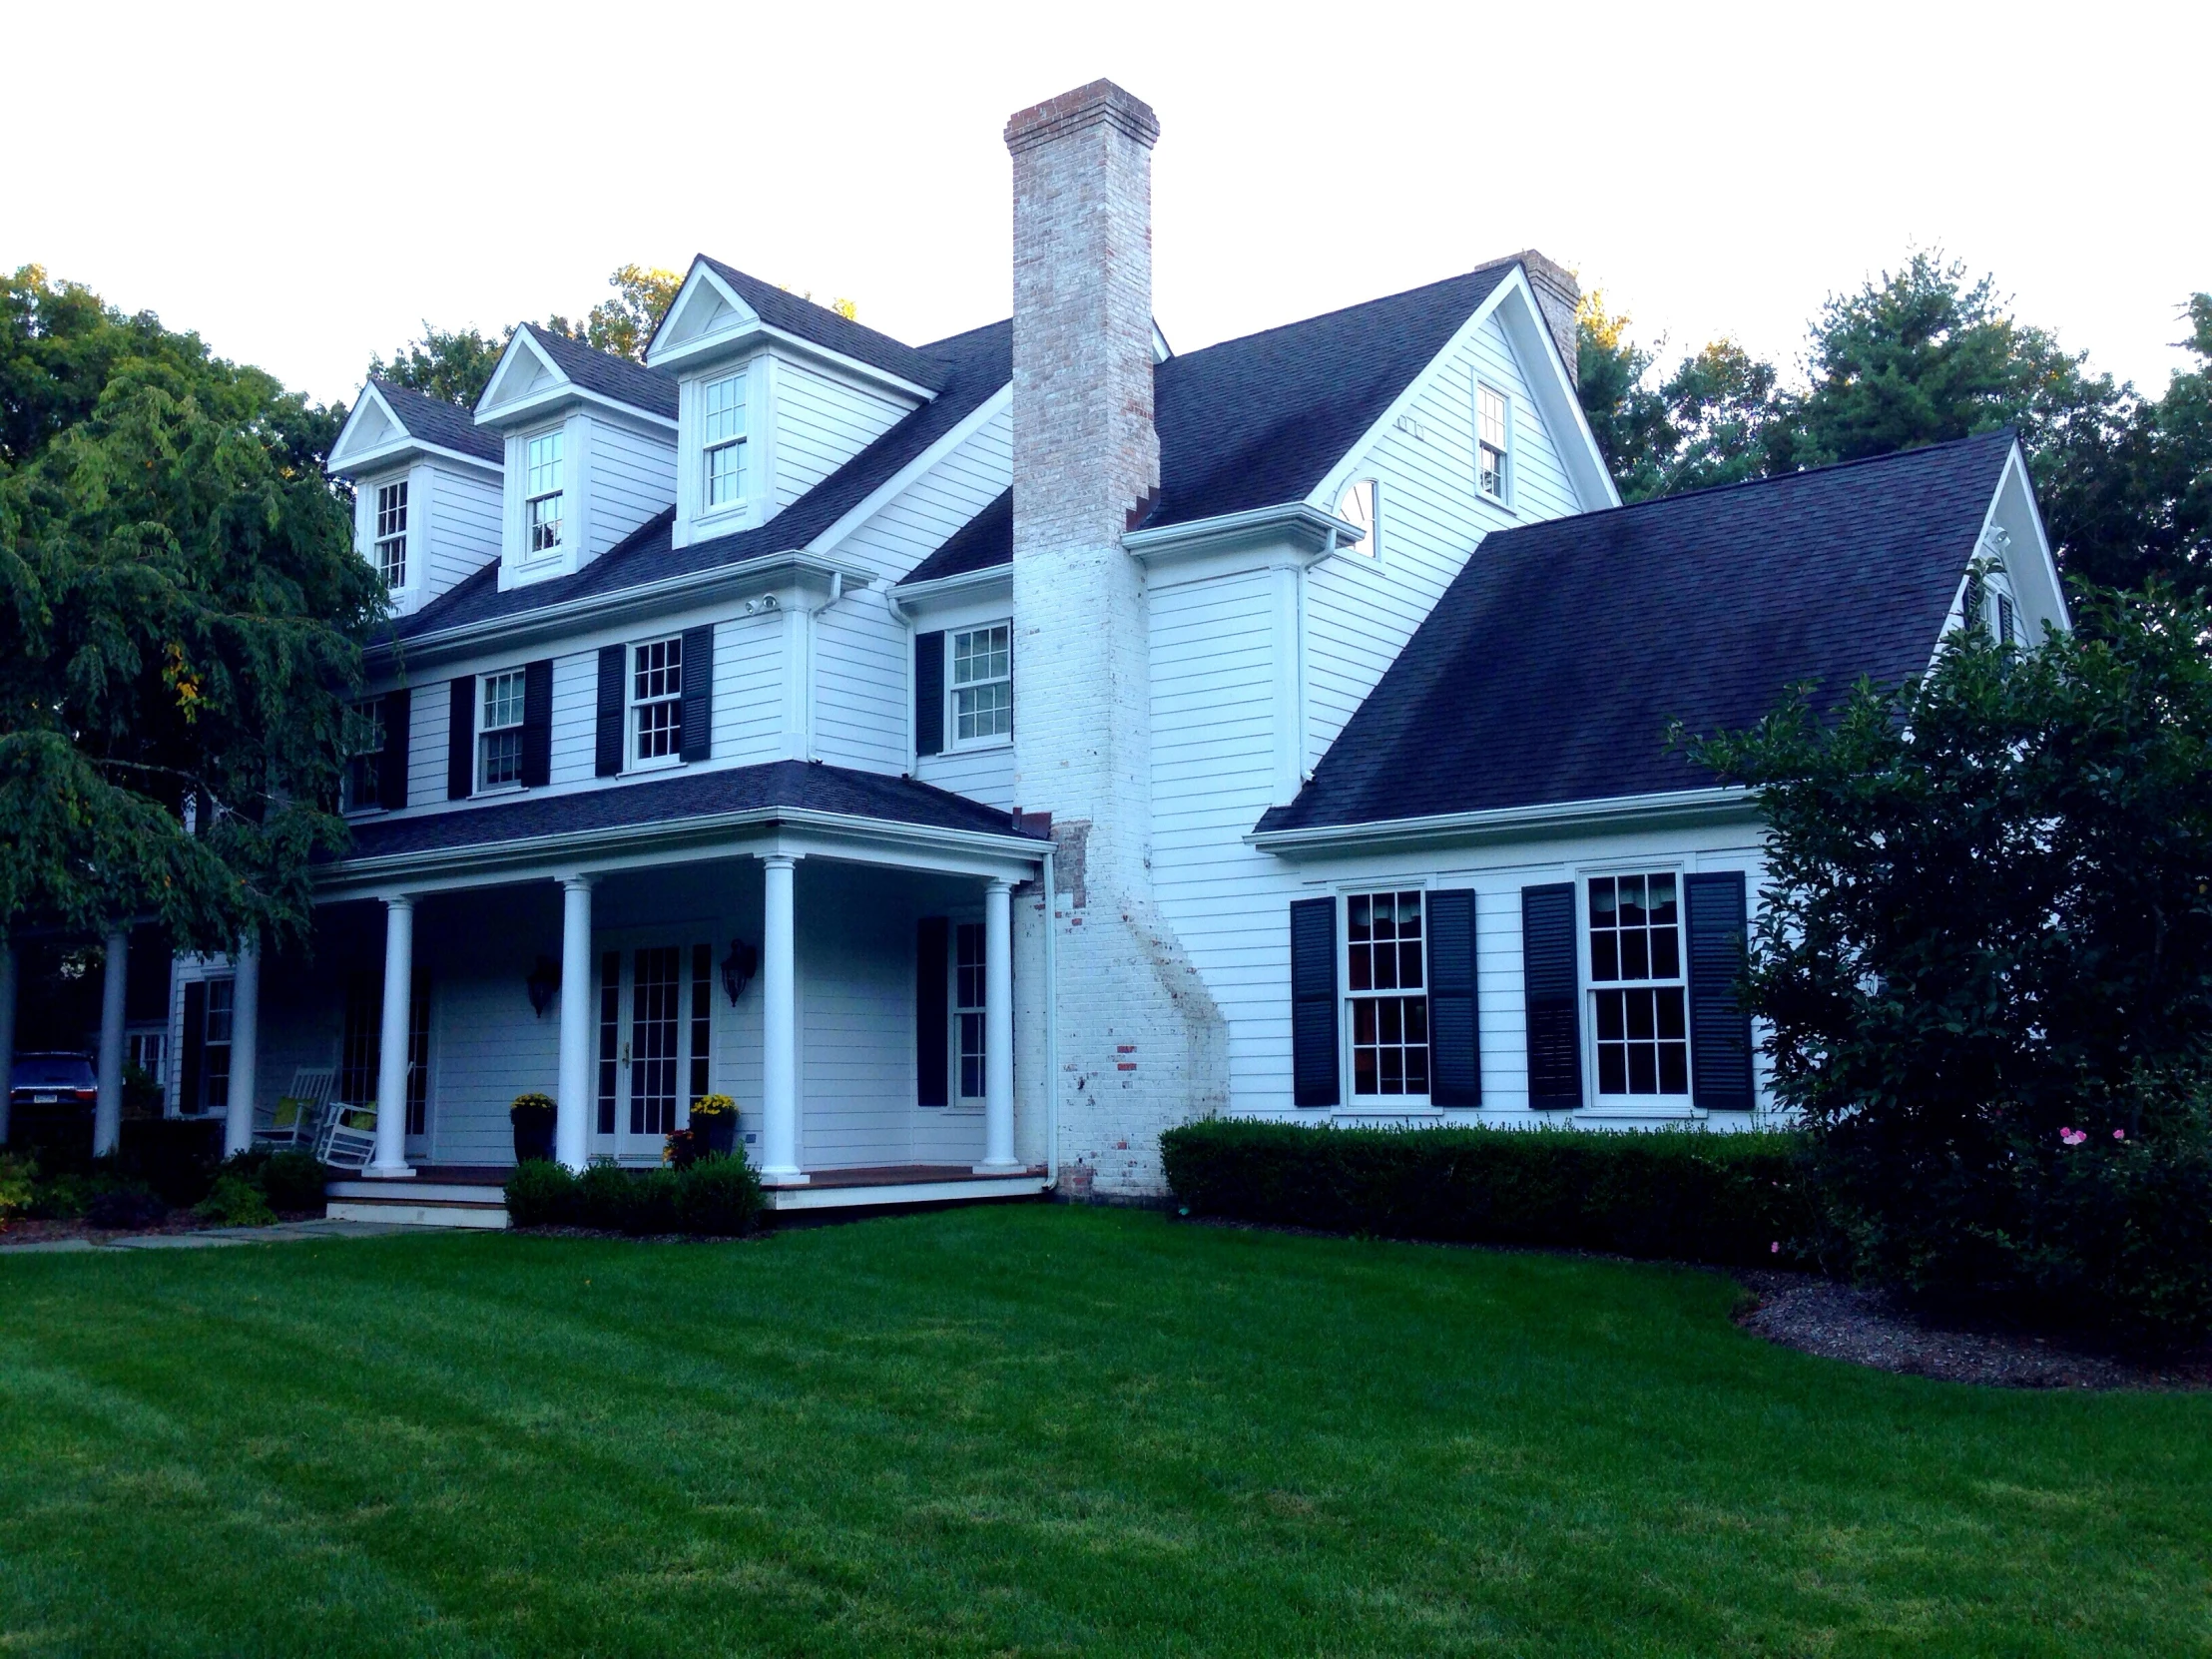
x: 701, y: 1018
x: 968, y: 992
x: 610, y: 1037
x: 1640, y: 1000
x: 654, y: 1031
x: 1387, y: 979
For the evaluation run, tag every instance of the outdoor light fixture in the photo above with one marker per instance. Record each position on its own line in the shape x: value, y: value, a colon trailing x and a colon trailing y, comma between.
x: 544, y: 981
x: 738, y: 969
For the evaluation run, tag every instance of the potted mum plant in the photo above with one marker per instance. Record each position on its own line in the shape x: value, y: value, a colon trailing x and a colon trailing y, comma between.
x: 532, y: 1117
x: 713, y: 1126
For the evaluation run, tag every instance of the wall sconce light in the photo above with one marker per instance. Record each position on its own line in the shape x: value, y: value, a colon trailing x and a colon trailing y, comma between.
x: 544, y: 981
x: 738, y: 969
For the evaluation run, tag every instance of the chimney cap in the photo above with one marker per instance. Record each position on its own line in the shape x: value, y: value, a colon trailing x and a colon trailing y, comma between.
x: 1086, y: 106
x: 1550, y: 273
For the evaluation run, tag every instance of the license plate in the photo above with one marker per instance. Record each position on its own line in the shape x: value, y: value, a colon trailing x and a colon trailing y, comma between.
x: 44, y: 1099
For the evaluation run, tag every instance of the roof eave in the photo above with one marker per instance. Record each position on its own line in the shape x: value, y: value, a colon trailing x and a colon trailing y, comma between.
x: 1625, y: 812
x: 1304, y: 525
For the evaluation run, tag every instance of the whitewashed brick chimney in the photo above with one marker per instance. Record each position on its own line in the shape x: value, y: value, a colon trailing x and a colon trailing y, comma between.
x: 1142, y: 1046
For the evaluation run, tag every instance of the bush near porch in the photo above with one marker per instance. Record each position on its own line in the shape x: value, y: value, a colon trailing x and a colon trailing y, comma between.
x: 1677, y: 1195
x: 707, y: 1198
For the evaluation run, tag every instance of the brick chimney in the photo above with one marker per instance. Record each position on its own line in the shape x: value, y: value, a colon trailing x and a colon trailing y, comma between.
x: 1142, y: 1046
x: 1558, y: 296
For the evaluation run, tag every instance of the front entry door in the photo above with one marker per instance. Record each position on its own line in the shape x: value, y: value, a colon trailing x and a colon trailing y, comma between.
x: 645, y: 1050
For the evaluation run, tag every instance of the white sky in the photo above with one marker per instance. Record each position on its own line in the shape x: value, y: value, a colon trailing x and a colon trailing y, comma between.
x: 306, y: 185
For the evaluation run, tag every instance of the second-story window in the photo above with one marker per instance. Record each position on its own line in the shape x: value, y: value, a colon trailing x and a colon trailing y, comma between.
x: 1359, y: 506
x: 391, y: 534
x: 1494, y: 443
x: 365, y: 752
x: 657, y: 701
x: 499, y: 740
x: 983, y: 684
x: 542, y: 505
x: 722, y: 429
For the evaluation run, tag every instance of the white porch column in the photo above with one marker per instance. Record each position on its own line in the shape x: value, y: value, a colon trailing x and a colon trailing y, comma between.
x: 107, y: 1111
x: 999, y: 1029
x: 572, y: 1097
x: 779, y: 1026
x: 246, y: 1044
x: 7, y: 1032
x: 391, y: 1057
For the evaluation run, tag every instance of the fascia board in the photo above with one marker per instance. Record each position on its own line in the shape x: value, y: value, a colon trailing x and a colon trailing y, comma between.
x: 535, y: 408
x: 407, y: 448
x: 990, y: 582
x: 489, y: 405
x: 2016, y: 467
x: 1304, y: 523
x: 752, y: 335
x: 904, y: 478
x: 701, y: 274
x: 339, y: 459
x: 1627, y: 812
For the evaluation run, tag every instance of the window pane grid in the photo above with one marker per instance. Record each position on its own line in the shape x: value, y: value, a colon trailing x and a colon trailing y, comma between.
x: 1385, y: 961
x: 982, y: 683
x: 391, y: 534
x: 542, y: 463
x: 1491, y: 441
x: 1640, y: 1004
x: 501, y: 743
x: 652, y: 1040
x: 365, y: 756
x: 968, y: 982
x: 656, y: 693
x: 722, y: 431
x: 610, y: 1035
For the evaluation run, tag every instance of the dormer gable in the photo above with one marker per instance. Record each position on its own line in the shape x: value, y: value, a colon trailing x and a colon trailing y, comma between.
x: 427, y: 487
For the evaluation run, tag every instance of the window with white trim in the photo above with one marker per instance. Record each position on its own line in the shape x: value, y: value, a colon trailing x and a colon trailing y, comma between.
x: 214, y: 1053
x: 1387, y: 984
x: 1639, y: 997
x: 982, y: 684
x: 1494, y: 443
x: 391, y: 534
x: 542, y: 493
x: 722, y: 441
x: 657, y: 701
x: 1360, y: 505
x: 499, y: 731
x: 149, y: 1051
x: 968, y: 1007
x: 365, y: 756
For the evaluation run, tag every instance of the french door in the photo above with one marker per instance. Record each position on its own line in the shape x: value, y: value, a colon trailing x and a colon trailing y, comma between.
x: 652, y: 1040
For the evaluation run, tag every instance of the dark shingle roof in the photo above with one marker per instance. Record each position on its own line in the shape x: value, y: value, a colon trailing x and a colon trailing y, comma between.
x: 986, y: 539
x: 1256, y: 421
x: 433, y: 421
x: 1549, y: 669
x: 973, y: 366
x: 650, y: 389
x: 796, y: 785
x: 825, y: 329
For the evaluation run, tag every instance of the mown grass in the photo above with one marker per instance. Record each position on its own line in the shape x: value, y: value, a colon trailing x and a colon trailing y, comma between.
x: 1036, y: 1430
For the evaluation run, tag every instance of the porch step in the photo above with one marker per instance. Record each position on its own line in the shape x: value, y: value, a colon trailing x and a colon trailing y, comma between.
x: 852, y: 1189
x: 417, y: 1203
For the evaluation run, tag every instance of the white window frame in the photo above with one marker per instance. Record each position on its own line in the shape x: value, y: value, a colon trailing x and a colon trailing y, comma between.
x: 222, y: 1003
x: 1595, y: 1094
x: 970, y: 1034
x: 389, y: 521
x: 732, y: 441
x: 1347, y: 999
x: 533, y: 495
x: 1503, y: 495
x: 369, y: 710
x: 486, y: 731
x: 150, y: 1041
x: 1367, y: 514
x: 647, y: 706
x: 953, y: 686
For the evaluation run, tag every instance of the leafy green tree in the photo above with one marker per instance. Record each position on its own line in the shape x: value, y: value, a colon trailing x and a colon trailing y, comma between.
x: 179, y: 617
x: 1705, y: 424
x: 454, y: 364
x: 625, y: 324
x: 1986, y: 960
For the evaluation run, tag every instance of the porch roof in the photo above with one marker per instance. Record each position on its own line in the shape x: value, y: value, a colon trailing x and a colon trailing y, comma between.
x: 796, y: 785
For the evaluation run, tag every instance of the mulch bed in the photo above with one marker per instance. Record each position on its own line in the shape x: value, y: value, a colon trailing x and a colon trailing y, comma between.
x: 25, y: 1231
x: 1841, y: 1321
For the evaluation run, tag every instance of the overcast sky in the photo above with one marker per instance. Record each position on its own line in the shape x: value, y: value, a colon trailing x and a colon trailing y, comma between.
x: 304, y: 186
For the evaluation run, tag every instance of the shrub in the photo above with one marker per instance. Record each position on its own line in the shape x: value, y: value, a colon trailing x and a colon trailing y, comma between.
x: 235, y: 1201
x: 125, y: 1209
x: 16, y: 1176
x: 719, y: 1197
x: 541, y: 1192
x: 1685, y: 1195
x: 715, y: 1197
x: 293, y: 1180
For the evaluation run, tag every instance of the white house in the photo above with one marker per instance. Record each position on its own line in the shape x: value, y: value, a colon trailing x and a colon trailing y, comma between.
x: 978, y: 757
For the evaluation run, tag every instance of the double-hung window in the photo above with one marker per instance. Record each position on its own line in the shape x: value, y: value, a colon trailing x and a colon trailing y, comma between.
x: 214, y: 1061
x: 657, y: 701
x: 500, y: 738
x: 983, y: 684
x: 1387, y: 990
x: 364, y: 750
x: 1638, y: 994
x: 391, y: 534
x: 1494, y: 443
x: 967, y: 1006
x: 542, y: 494
x: 721, y: 444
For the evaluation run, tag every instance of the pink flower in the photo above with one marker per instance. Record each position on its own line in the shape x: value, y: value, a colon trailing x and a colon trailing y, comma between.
x: 1775, y: 1248
x: 2120, y: 1134
x: 2073, y: 1137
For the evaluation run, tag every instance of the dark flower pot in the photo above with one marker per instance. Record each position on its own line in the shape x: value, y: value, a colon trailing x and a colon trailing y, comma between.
x: 533, y: 1135
x: 716, y: 1134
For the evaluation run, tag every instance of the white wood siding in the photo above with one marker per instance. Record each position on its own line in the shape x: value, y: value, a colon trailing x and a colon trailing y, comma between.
x: 631, y: 477
x: 855, y: 1017
x: 921, y: 518
x: 861, y: 668
x: 985, y: 774
x: 461, y: 531
x: 429, y: 719
x: 575, y: 716
x: 821, y: 423
x: 748, y: 690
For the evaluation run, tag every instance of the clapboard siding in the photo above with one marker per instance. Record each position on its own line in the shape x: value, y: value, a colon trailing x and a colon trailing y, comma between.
x: 860, y: 676
x: 575, y: 716
x: 631, y: 477
x: 922, y: 518
x: 821, y: 423
x: 460, y: 534
x: 748, y: 690
x: 985, y: 774
x: 428, y: 716
x: 856, y: 1018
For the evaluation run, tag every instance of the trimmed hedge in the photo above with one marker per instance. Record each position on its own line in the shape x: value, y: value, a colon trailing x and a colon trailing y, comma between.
x: 1681, y: 1195
x: 711, y: 1198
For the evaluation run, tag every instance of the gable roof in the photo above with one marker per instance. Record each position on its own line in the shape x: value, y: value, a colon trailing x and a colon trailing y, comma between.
x: 434, y: 420
x: 972, y: 368
x: 986, y: 539
x: 822, y: 327
x: 1549, y: 669
x: 610, y: 375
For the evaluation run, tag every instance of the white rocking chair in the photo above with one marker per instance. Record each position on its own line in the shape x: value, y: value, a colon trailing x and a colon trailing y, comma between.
x: 348, y: 1138
x: 296, y: 1119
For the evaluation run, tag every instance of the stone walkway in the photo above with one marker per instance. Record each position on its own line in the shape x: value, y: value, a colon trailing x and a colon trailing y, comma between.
x: 212, y: 1238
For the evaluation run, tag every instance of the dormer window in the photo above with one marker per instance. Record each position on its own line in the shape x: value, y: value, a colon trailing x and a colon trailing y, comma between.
x: 722, y: 426
x: 1494, y: 443
x: 391, y: 534
x: 657, y: 701
x: 542, y: 504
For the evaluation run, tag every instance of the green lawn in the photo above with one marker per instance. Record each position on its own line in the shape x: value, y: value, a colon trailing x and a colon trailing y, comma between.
x: 1034, y: 1429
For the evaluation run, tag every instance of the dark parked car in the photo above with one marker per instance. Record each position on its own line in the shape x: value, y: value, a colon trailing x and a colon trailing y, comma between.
x: 53, y: 1080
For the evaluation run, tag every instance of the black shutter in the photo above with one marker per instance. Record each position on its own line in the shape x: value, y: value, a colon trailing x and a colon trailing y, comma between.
x: 1455, y: 1063
x: 607, y: 747
x: 1314, y: 1069
x: 929, y: 694
x: 1549, y: 982
x: 460, y: 741
x: 392, y: 764
x: 537, y: 724
x: 1719, y: 1029
x: 698, y: 693
x: 196, y: 1045
x: 932, y: 1013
